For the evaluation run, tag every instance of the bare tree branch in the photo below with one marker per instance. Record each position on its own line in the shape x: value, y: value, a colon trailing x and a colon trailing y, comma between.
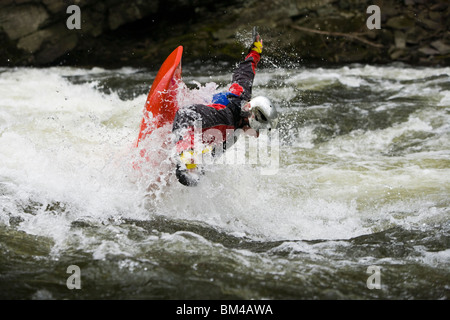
x: 339, y: 34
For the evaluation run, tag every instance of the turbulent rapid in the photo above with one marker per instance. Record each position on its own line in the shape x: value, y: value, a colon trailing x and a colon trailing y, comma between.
x: 362, y: 180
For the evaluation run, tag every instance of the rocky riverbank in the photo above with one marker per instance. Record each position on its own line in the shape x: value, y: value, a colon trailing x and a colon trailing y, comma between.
x: 116, y: 33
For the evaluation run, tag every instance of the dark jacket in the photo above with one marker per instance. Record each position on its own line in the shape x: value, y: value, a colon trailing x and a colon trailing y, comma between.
x: 223, y: 116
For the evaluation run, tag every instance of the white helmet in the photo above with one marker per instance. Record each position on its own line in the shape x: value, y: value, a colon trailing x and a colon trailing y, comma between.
x: 263, y: 114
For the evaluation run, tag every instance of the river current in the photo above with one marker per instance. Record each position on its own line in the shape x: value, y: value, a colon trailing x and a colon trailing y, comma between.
x: 357, y: 208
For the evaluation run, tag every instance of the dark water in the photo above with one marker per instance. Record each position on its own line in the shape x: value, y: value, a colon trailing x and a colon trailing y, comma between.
x: 362, y: 183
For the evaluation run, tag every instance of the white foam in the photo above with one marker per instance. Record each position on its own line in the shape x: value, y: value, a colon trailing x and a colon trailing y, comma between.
x: 72, y: 144
x: 445, y: 100
x: 436, y: 259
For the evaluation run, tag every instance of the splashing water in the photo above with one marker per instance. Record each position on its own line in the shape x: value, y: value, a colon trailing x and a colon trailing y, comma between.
x: 363, y: 179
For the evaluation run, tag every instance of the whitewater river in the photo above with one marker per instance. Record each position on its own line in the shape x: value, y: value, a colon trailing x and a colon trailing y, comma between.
x: 357, y: 206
